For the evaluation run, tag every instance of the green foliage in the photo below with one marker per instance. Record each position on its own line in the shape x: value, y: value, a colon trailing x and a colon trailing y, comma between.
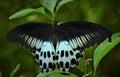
x: 92, y: 13
x: 81, y: 64
x: 61, y: 3
x: 53, y: 5
x: 15, y: 70
x: 56, y: 73
x: 47, y: 4
x: 25, y: 12
x: 104, y: 48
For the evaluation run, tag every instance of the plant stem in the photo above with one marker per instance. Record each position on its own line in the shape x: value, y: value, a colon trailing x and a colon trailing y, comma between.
x: 87, y: 62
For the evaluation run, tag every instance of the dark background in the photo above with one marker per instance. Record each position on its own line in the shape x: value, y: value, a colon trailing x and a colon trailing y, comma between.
x: 104, y: 12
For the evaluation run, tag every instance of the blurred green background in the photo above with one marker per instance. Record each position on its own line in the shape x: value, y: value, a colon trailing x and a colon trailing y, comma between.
x: 104, y: 12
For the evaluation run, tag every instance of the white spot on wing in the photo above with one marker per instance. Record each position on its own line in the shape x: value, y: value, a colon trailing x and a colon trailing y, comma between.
x: 71, y: 43
x: 80, y: 42
x: 87, y: 36
x: 57, y: 45
x: 26, y: 37
x: 33, y: 42
x: 38, y: 44
x: 74, y: 43
x: 83, y: 39
x: 29, y: 40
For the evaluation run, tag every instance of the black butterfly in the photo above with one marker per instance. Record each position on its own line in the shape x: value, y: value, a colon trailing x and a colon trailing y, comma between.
x: 56, y: 45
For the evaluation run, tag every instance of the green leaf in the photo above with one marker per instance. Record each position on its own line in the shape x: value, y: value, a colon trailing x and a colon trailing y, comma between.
x: 81, y: 65
x: 15, y: 70
x: 40, y: 10
x: 25, y: 12
x: 61, y: 3
x: 49, y: 5
x: 104, y: 48
x: 56, y: 73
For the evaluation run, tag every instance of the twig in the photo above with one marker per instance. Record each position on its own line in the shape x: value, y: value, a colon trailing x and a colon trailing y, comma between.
x: 87, y: 62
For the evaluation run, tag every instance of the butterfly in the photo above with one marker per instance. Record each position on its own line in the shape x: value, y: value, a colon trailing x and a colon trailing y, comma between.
x: 58, y: 46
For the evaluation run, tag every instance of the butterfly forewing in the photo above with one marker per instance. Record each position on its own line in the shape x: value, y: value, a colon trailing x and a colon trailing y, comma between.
x: 30, y: 35
x: 58, y: 47
x: 85, y: 33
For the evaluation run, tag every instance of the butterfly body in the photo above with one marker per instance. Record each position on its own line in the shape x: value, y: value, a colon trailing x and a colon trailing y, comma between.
x: 58, y: 45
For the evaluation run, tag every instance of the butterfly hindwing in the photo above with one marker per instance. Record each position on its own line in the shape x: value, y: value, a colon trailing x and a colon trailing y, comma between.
x: 45, y: 56
x: 67, y: 56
